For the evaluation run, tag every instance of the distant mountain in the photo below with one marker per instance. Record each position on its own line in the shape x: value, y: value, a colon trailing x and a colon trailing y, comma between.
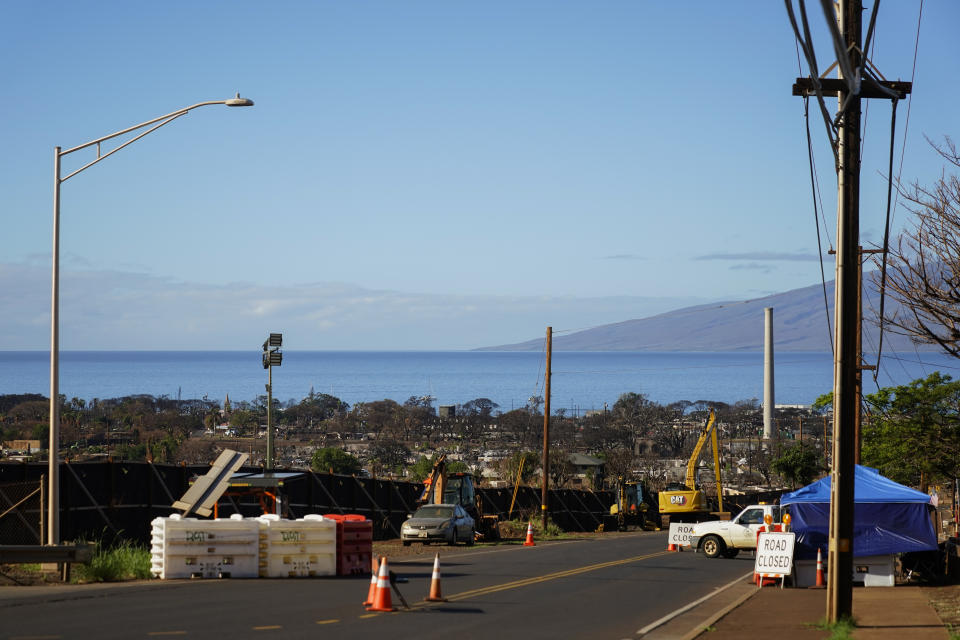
x: 800, y: 323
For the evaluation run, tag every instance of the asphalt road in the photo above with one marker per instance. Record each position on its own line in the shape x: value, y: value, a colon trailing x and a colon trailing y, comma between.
x: 605, y: 587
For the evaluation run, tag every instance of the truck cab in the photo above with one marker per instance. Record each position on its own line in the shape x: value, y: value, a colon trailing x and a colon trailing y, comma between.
x: 728, y: 537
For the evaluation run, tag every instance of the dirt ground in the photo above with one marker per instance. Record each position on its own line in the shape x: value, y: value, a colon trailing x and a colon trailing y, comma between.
x: 946, y: 602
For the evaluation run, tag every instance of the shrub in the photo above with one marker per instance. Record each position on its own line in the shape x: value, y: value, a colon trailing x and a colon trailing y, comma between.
x: 123, y: 561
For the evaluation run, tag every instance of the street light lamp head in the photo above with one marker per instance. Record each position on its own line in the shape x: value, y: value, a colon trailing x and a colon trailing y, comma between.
x: 238, y: 102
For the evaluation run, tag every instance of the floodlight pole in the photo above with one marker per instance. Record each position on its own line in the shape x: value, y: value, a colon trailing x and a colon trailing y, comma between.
x: 53, y: 455
x: 271, y: 357
x: 269, y: 464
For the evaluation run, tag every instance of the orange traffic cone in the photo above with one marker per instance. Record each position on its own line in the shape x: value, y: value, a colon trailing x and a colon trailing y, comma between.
x: 435, y: 595
x: 820, y: 583
x: 374, y: 570
x: 529, y: 541
x: 671, y: 547
x: 381, y: 599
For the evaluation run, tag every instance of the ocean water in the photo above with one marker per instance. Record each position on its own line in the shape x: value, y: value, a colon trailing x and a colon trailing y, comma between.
x: 581, y: 381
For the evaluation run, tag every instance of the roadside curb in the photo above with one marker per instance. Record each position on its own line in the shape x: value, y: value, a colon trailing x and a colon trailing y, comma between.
x: 689, y: 621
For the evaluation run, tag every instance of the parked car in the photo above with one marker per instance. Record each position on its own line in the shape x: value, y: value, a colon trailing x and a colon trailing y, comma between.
x: 438, y: 523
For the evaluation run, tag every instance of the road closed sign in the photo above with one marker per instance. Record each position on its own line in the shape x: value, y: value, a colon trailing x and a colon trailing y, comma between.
x: 680, y: 533
x: 775, y: 554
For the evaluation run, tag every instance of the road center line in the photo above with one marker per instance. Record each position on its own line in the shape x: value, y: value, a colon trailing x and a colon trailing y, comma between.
x: 516, y: 584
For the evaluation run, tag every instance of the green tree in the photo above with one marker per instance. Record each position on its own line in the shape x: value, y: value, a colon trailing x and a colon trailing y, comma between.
x: 336, y: 460
x: 389, y: 454
x: 798, y: 464
x: 420, y: 469
x: 509, y: 466
x: 823, y: 404
x: 913, y: 433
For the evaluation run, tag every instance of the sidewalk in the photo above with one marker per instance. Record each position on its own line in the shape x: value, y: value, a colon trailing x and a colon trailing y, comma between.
x: 786, y: 614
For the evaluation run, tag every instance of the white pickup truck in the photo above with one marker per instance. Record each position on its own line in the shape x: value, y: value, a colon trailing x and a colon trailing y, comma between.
x: 727, y: 537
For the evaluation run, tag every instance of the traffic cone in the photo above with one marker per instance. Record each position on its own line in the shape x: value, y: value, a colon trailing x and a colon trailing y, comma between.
x: 671, y: 547
x: 820, y: 583
x: 374, y: 570
x: 529, y: 541
x: 435, y: 595
x: 381, y: 599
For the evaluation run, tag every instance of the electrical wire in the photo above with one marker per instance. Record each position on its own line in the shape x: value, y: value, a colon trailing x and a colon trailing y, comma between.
x: 806, y: 44
x: 903, y: 147
x: 816, y: 222
x: 886, y: 230
x: 850, y: 76
x: 814, y: 187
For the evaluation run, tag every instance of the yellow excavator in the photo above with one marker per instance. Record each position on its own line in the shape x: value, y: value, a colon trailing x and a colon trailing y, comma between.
x: 686, y: 502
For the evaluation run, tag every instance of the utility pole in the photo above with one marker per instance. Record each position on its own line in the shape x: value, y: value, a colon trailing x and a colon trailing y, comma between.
x: 853, y: 84
x: 840, y: 551
x: 544, y: 487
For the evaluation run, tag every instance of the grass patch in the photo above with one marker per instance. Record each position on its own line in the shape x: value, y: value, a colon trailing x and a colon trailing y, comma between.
x: 122, y: 561
x: 839, y: 630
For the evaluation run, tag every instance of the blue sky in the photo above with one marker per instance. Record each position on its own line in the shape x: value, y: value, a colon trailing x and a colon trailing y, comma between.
x: 426, y: 175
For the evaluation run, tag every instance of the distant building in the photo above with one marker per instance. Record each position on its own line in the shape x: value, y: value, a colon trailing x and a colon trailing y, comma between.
x: 27, y: 446
x: 447, y: 411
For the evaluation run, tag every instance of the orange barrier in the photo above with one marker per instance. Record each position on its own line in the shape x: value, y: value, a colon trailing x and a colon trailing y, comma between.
x: 435, y: 595
x: 374, y: 571
x: 354, y: 542
x: 529, y: 541
x: 381, y: 598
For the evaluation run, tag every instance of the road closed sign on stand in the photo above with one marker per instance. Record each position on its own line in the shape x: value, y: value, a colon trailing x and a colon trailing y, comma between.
x: 680, y: 533
x: 775, y: 554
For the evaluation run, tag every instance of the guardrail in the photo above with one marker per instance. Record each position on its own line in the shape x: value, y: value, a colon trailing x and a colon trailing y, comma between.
x: 29, y: 553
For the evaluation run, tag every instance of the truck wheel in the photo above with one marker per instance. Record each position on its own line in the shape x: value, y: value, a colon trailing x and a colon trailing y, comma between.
x: 712, y: 546
x: 731, y: 553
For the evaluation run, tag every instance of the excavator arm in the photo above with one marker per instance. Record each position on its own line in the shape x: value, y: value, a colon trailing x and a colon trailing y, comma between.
x: 436, y: 483
x: 708, y: 429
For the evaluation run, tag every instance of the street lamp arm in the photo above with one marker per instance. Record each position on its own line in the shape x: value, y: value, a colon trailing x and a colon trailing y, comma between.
x: 169, y: 116
x: 162, y: 120
x: 104, y: 156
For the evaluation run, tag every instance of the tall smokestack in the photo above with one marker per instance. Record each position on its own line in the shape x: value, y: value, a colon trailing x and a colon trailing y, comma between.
x: 768, y: 373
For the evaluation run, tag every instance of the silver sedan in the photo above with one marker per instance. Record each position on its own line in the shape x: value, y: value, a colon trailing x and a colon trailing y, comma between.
x: 438, y: 523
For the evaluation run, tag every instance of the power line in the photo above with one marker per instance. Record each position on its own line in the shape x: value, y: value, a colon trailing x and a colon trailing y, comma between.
x: 903, y: 147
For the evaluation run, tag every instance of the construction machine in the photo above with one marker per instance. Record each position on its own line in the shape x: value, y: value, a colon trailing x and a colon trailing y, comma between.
x: 459, y: 488
x: 633, y: 504
x: 687, y: 502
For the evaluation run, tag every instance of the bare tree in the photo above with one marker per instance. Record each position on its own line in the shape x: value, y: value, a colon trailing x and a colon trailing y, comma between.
x: 923, y: 270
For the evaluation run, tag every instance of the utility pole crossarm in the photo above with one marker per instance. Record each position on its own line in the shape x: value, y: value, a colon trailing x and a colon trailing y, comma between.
x: 838, y: 86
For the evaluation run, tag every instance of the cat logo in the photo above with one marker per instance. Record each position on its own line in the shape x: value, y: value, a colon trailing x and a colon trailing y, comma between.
x: 678, y: 500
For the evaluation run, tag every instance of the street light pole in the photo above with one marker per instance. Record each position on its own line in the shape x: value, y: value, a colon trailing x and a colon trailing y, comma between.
x: 52, y: 534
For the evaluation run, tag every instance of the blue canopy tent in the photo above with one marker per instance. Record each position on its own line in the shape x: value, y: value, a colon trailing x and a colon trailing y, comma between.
x: 887, y: 517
